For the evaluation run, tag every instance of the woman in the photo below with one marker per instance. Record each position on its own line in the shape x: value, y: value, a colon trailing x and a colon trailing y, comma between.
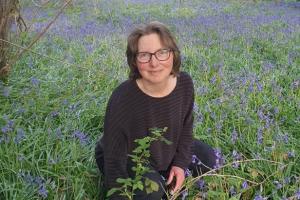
x: 158, y: 95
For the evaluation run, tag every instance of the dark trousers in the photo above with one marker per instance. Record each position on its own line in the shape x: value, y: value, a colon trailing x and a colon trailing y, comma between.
x: 203, y: 160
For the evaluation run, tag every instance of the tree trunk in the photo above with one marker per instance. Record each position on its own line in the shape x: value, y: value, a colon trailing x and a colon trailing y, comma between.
x: 9, y: 11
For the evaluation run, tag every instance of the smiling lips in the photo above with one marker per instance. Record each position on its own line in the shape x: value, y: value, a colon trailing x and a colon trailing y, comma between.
x: 155, y: 72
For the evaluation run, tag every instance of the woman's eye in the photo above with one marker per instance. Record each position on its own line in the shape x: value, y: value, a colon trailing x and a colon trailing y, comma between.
x: 163, y: 51
x: 143, y: 55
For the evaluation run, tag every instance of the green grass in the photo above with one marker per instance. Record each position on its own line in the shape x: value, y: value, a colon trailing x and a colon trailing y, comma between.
x: 243, y: 82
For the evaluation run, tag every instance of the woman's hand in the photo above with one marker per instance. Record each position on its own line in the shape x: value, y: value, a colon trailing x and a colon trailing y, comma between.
x: 178, y: 173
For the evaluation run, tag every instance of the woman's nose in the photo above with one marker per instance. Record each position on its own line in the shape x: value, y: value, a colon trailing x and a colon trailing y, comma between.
x: 153, y: 61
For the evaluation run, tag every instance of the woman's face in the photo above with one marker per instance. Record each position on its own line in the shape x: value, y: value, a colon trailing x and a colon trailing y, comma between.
x: 155, y: 71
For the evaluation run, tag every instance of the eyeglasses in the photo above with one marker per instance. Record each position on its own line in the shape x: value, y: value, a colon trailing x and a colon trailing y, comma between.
x: 161, y: 55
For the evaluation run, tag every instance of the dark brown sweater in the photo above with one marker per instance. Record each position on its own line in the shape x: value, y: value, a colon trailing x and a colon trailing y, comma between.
x: 131, y: 113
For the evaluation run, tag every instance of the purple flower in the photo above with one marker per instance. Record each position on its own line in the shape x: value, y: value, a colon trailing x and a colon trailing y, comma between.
x: 276, y: 110
x: 5, y: 129
x: 54, y: 114
x: 84, y: 139
x: 236, y: 157
x: 260, y: 136
x: 278, y: 185
x: 58, y: 133
x: 34, y: 81
x: 285, y: 138
x: 20, y: 136
x: 219, y: 158
x: 187, y: 173
x: 213, y: 80
x: 43, y: 192
x: 259, y: 86
x: 8, y: 127
x: 194, y: 159
x: 39, y: 180
x: 232, y: 191
x: 234, y: 136
x: 184, y: 194
x: 201, y: 184
x: 245, y: 185
x: 287, y: 180
x: 21, y: 110
x: 297, y: 194
x: 291, y: 154
x: 258, y: 197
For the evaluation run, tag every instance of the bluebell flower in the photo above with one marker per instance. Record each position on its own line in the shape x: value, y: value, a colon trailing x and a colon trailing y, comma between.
x: 54, y: 114
x: 8, y: 127
x: 287, y: 180
x: 219, y: 158
x: 65, y: 102
x: 39, y: 180
x: 84, y: 139
x: 184, y: 194
x: 245, y: 185
x: 194, y: 159
x: 285, y: 138
x: 232, y: 191
x: 250, y: 88
x: 234, y: 136
x: 258, y: 197
x: 58, y: 133
x: 43, y: 192
x: 20, y: 136
x: 236, y: 157
x: 34, y: 81
x: 21, y: 110
x: 278, y: 185
x: 29, y: 179
x: 202, y: 90
x: 291, y: 154
x: 260, y: 136
x: 297, y: 194
x: 259, y: 86
x: 276, y: 110
x: 187, y: 173
x: 5, y: 129
x: 201, y: 184
x: 296, y: 84
x: 213, y: 80
x: 73, y: 106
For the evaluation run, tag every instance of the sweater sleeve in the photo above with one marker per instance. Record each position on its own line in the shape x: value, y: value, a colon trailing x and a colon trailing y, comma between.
x: 115, y: 147
x: 183, y: 155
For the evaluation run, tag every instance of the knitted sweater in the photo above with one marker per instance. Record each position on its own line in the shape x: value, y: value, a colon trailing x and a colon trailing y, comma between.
x: 131, y: 113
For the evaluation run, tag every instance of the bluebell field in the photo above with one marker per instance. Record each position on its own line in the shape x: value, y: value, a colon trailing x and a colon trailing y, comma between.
x: 244, y: 58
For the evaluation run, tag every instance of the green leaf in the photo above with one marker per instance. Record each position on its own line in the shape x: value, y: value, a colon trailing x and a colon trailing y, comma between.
x: 127, y: 181
x: 111, y: 191
x: 139, y: 185
x: 165, y: 141
x: 154, y: 186
x: 236, y: 197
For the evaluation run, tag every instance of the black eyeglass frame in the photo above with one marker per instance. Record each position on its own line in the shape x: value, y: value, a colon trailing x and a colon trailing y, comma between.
x: 151, y: 54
